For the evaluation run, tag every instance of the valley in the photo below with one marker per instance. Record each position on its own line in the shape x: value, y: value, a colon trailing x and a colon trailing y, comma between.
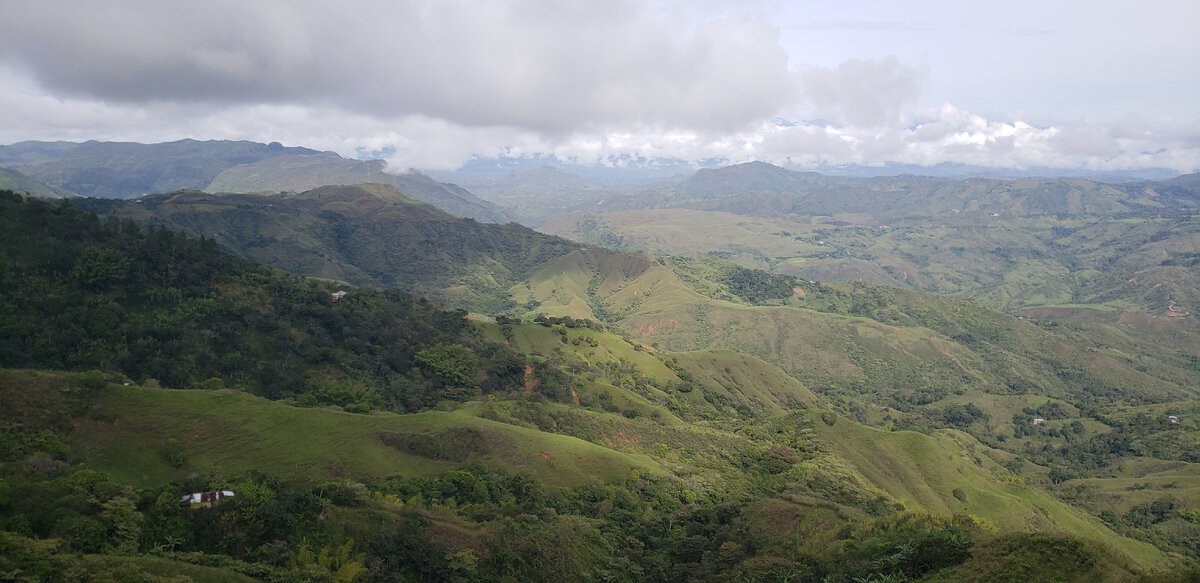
x: 715, y: 386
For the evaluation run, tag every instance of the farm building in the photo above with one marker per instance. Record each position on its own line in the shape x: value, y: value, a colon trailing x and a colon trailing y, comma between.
x: 205, y: 499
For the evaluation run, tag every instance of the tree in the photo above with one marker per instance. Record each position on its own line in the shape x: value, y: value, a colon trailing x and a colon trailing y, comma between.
x: 100, y: 266
x: 453, y: 363
x: 126, y: 524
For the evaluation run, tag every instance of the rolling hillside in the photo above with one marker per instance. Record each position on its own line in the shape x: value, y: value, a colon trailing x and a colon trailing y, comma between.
x: 666, y: 423
x: 885, y: 342
x: 1129, y: 264
x: 836, y: 336
x: 1010, y: 243
x: 370, y: 234
x: 825, y: 466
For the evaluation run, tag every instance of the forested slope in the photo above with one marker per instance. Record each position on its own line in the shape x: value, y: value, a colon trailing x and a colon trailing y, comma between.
x: 544, y: 449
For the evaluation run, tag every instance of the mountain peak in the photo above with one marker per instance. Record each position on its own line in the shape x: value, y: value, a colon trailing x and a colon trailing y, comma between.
x: 746, y: 178
x: 372, y: 199
x: 381, y: 191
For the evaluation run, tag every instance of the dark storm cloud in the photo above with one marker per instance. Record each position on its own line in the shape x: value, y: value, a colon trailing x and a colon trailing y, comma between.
x: 542, y: 65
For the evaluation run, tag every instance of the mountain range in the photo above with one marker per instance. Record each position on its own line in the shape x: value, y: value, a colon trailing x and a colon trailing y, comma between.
x: 129, y: 170
x: 412, y: 395
x: 1013, y: 244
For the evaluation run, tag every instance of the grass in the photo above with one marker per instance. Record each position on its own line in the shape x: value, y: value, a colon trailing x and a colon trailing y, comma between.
x: 922, y: 471
x: 610, y: 348
x: 818, y: 348
x: 1008, y: 261
x: 910, y: 343
x: 751, y: 241
x: 1023, y: 557
x: 1145, y: 483
x: 748, y: 380
x: 738, y: 378
x: 41, y: 560
x: 229, y: 433
x: 559, y: 286
x: 166, y: 568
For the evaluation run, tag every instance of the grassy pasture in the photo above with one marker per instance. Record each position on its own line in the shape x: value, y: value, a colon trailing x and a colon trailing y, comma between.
x: 230, y: 433
x: 923, y: 471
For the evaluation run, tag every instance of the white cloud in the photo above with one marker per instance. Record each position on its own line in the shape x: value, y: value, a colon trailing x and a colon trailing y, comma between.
x: 1085, y: 141
x: 432, y: 83
x: 863, y: 92
x: 950, y: 134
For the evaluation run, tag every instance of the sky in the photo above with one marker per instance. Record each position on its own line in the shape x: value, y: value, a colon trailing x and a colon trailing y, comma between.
x: 1100, y: 85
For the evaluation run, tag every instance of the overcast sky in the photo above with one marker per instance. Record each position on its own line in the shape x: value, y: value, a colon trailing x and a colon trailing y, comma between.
x: 1099, y: 85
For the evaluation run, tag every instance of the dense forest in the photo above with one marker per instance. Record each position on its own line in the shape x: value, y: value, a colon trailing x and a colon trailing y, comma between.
x: 165, y: 309
x: 548, y: 450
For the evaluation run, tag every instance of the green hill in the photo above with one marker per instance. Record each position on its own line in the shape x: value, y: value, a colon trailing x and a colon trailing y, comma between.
x: 368, y: 234
x: 390, y: 412
x: 828, y: 334
x: 232, y: 433
x: 1128, y: 262
x: 901, y: 348
x: 902, y: 359
x: 304, y: 172
x: 159, y: 305
x: 149, y: 438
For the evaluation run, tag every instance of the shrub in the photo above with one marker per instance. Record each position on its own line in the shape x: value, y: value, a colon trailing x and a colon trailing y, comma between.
x: 94, y: 379
x: 173, y: 451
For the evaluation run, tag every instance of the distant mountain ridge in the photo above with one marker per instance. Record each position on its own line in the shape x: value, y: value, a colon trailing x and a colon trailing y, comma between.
x: 541, y: 193
x: 303, y: 172
x: 753, y: 178
x: 631, y: 170
x: 129, y: 170
x: 761, y: 189
x: 17, y: 182
x: 1012, y: 243
x: 34, y: 152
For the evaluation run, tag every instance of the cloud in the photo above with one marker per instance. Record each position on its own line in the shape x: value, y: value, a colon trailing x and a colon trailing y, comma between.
x: 1131, y: 127
x: 863, y: 92
x: 539, y: 65
x: 865, y: 25
x: 944, y: 134
x: 951, y: 134
x: 433, y: 83
x: 1084, y: 140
